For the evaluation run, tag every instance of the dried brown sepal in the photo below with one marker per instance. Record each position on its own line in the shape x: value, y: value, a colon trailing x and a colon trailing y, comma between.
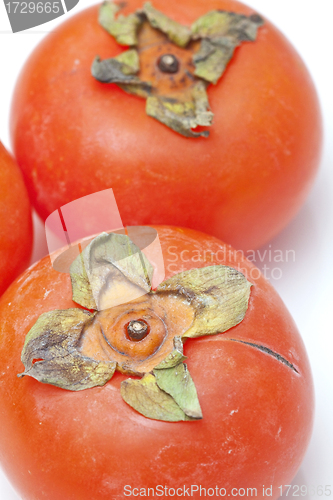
x: 118, y: 69
x: 121, y: 70
x: 221, y: 32
x: 181, y: 117
x: 123, y: 28
x: 113, y: 71
x: 176, y: 32
x: 131, y: 61
x: 50, y: 353
x: 140, y: 90
x: 219, y: 295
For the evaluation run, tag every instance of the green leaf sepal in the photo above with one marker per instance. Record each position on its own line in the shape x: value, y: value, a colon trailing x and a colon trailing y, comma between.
x: 166, y: 394
x: 219, y: 295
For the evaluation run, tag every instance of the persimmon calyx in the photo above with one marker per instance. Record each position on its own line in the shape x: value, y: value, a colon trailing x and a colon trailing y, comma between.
x: 134, y: 329
x: 190, y: 55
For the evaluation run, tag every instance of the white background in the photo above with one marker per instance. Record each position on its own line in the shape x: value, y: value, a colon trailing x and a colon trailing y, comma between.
x: 306, y: 285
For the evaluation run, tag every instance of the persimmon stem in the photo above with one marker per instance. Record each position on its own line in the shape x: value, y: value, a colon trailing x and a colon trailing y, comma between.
x: 137, y: 329
x: 168, y: 63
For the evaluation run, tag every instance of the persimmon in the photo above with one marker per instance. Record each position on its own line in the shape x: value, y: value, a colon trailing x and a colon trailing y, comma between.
x: 100, y: 411
x: 76, y: 131
x: 15, y: 221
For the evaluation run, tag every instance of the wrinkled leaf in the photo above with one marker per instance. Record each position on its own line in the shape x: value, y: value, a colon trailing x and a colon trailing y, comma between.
x: 107, y: 13
x: 140, y: 90
x: 176, y: 32
x: 221, y: 33
x: 50, y: 353
x: 219, y: 294
x: 178, y: 382
x: 123, y: 28
x: 204, y: 116
x: 219, y: 23
x: 211, y: 60
x: 113, y: 71
x: 147, y: 398
x: 111, y: 270
x: 120, y: 69
x: 175, y: 357
x: 180, y: 116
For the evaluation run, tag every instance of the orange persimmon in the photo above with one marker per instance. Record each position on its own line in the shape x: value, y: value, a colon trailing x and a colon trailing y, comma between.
x: 15, y: 221
x: 253, y: 382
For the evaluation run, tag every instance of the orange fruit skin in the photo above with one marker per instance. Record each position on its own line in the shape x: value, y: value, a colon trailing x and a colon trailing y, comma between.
x: 16, y: 233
